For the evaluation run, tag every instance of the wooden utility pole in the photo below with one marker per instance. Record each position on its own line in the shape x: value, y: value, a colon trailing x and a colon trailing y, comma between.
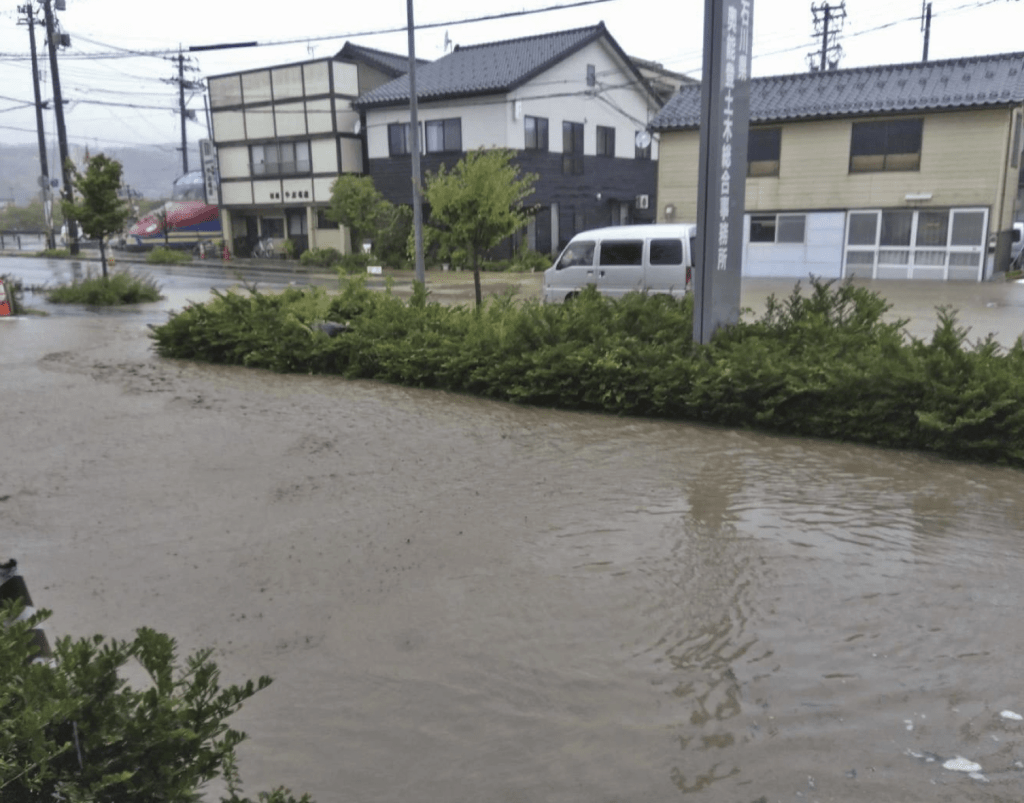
x: 926, y: 26
x: 828, y: 21
x: 44, y: 174
x: 58, y: 110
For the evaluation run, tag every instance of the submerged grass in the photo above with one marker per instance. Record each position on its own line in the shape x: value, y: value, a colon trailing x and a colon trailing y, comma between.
x: 821, y: 364
x: 113, y: 290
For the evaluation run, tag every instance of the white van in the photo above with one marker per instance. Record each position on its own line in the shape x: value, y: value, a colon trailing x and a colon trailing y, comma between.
x: 653, y: 258
x: 1017, y: 247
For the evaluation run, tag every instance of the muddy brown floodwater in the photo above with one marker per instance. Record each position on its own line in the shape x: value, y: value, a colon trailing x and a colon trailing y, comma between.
x: 463, y: 601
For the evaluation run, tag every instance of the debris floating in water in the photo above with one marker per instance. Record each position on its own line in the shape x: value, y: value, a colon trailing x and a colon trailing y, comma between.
x: 978, y: 777
x: 961, y: 764
x: 1010, y: 715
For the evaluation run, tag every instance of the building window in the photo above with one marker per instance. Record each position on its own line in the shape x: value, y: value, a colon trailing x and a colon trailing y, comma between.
x: 572, y: 149
x: 763, y: 148
x: 399, y: 140
x: 280, y: 159
x: 444, y: 136
x: 323, y: 222
x: 886, y: 145
x: 777, y: 228
x: 605, y: 141
x: 536, y: 133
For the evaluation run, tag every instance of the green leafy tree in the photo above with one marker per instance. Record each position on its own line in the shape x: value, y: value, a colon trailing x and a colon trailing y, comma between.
x: 77, y: 731
x: 100, y: 212
x: 31, y: 217
x: 357, y: 204
x: 477, y: 204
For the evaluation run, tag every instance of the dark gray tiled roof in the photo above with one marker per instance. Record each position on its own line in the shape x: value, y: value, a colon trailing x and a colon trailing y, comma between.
x: 392, y: 64
x: 934, y: 85
x: 488, y: 68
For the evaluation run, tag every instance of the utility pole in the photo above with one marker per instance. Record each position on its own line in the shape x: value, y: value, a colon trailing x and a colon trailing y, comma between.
x: 926, y: 25
x: 184, y: 63
x: 44, y: 177
x: 414, y: 137
x: 828, y: 21
x: 58, y: 109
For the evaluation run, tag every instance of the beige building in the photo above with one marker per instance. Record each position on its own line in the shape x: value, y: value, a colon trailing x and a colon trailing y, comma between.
x: 283, y: 135
x: 902, y: 172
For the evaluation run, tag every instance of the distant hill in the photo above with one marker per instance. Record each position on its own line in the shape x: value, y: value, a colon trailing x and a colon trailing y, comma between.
x: 149, y: 169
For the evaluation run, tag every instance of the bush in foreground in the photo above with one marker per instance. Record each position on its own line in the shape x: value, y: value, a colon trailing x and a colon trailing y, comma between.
x: 99, y: 291
x: 825, y: 364
x: 77, y: 731
x: 167, y: 256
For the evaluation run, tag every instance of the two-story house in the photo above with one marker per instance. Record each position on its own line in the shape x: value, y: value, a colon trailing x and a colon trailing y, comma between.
x: 571, y: 104
x: 283, y: 135
x: 906, y: 171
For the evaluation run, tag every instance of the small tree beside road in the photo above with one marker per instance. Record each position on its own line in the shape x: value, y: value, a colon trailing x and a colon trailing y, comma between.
x: 100, y: 212
x: 477, y: 204
x: 357, y: 204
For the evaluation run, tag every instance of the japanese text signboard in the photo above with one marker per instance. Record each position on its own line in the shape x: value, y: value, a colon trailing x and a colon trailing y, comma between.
x: 725, y: 113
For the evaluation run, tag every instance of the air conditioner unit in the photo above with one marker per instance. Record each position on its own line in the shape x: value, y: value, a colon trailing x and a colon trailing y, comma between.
x: 643, y: 201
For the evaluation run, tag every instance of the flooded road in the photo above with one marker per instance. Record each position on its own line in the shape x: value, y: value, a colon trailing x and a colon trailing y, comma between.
x: 465, y: 601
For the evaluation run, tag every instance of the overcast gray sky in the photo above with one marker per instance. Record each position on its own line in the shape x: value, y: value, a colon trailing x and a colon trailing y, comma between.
x: 667, y: 31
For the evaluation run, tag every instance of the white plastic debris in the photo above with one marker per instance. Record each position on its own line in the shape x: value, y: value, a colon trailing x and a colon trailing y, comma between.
x: 978, y: 777
x: 909, y: 723
x: 1010, y: 715
x: 961, y: 764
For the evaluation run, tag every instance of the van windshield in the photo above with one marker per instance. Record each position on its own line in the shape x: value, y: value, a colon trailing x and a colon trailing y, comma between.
x: 580, y: 252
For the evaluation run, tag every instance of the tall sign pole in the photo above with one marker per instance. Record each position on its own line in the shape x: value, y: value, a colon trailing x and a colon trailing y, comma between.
x: 725, y: 115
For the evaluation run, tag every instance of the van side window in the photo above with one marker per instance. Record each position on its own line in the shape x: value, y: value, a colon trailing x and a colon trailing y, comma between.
x: 577, y: 253
x: 666, y: 252
x: 622, y: 252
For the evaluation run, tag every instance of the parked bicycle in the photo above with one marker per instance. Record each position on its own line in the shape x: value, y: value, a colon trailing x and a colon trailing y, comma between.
x: 264, y: 248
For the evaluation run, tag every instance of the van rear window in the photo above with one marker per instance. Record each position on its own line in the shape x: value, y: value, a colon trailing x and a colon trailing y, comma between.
x: 622, y: 252
x: 666, y: 252
x: 577, y: 253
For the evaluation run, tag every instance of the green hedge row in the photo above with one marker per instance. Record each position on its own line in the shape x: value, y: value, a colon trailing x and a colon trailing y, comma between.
x: 822, y: 363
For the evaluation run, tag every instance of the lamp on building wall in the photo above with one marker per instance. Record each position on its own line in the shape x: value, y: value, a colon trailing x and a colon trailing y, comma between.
x: 918, y: 196
x: 670, y: 211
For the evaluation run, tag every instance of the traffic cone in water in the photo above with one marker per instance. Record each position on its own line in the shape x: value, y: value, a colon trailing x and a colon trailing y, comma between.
x: 5, y: 305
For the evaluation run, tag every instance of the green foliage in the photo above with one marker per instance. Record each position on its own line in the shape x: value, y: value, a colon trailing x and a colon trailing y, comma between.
x: 77, y: 731
x: 100, y: 212
x: 54, y: 253
x: 288, y: 248
x: 106, y: 291
x: 824, y: 364
x: 354, y: 263
x: 529, y: 261
x: 476, y: 205
x: 321, y: 257
x: 357, y: 204
x: 167, y: 256
x: 31, y: 217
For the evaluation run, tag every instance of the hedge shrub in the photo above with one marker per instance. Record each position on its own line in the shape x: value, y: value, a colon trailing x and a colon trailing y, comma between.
x: 824, y: 364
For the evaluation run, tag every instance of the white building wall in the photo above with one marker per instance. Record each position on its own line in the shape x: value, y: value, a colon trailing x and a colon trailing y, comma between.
x: 558, y: 94
x: 820, y: 254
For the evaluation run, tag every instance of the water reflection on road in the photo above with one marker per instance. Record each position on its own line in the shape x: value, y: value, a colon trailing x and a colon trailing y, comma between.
x: 480, y: 602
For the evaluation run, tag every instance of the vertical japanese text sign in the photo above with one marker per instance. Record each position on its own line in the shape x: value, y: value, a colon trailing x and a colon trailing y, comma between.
x: 725, y: 113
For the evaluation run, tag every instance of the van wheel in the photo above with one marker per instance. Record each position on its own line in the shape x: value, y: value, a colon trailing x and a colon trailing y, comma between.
x: 571, y: 296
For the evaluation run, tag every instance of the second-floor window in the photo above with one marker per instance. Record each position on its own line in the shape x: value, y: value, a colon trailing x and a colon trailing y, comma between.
x: 763, y: 148
x: 605, y: 141
x: 572, y: 149
x: 399, y: 140
x: 280, y: 159
x: 884, y: 145
x: 536, y: 131
x: 444, y: 136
